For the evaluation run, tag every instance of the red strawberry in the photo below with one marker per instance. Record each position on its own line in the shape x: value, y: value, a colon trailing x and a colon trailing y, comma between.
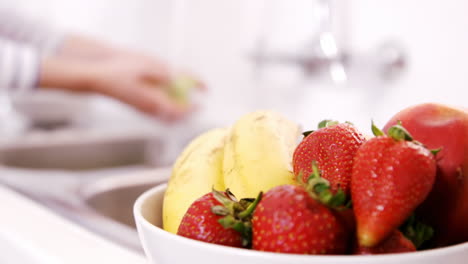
x: 332, y: 147
x: 348, y: 219
x: 289, y: 220
x: 445, y: 127
x: 218, y: 218
x: 395, y: 243
x: 392, y: 175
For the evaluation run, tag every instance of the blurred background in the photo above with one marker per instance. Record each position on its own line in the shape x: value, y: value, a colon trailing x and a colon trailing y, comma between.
x: 348, y: 60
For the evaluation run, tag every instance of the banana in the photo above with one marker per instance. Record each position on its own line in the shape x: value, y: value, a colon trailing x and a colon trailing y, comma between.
x: 258, y: 153
x: 196, y: 171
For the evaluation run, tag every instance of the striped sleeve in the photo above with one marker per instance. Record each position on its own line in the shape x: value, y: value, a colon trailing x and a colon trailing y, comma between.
x: 15, y: 26
x: 19, y: 66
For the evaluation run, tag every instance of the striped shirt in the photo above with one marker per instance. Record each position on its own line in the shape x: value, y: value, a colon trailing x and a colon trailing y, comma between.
x: 22, y: 43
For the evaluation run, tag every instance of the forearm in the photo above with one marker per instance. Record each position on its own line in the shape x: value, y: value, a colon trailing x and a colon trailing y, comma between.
x: 58, y: 72
x: 22, y: 69
x: 83, y: 47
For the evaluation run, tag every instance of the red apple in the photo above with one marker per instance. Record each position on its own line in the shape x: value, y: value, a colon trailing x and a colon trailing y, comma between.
x: 446, y: 127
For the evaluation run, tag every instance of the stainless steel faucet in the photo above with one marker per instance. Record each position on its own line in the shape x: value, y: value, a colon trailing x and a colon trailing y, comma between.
x: 326, y: 56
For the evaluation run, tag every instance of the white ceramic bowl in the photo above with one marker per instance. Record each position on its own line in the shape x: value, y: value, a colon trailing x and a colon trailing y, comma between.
x: 162, y: 247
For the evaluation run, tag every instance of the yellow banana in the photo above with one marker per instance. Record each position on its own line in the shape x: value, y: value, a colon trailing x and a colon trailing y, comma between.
x: 196, y: 171
x: 258, y: 153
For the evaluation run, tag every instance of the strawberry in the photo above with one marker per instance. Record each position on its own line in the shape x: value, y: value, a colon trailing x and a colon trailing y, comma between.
x: 445, y: 127
x: 391, y: 176
x: 348, y: 219
x: 289, y: 220
x: 332, y: 147
x: 218, y: 218
x: 396, y: 242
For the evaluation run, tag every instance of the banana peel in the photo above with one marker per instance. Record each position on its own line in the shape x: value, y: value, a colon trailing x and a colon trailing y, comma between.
x: 196, y: 171
x: 258, y: 153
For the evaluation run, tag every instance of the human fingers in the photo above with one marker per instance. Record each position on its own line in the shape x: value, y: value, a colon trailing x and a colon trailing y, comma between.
x: 194, y: 79
x: 156, y: 72
x: 157, y: 102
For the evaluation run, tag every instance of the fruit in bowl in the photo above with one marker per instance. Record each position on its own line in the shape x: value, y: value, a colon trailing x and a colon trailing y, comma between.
x: 254, y: 154
x: 163, y: 247
x: 445, y: 127
x: 333, y: 193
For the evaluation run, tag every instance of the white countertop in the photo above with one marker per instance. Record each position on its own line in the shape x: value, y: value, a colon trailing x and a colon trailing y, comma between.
x: 32, y: 234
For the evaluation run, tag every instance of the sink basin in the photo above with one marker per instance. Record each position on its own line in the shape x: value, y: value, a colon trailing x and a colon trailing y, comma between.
x: 82, y: 155
x: 114, y: 197
x: 107, y: 206
x: 100, y: 201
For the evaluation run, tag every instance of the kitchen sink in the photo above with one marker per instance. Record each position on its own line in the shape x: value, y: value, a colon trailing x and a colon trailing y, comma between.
x: 78, y: 153
x: 117, y: 204
x: 113, y: 197
x: 101, y: 202
x: 93, y: 180
x: 108, y: 203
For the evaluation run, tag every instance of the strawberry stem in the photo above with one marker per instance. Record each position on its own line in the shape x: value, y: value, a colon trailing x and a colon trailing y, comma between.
x: 237, y: 214
x: 319, y: 189
x: 248, y: 212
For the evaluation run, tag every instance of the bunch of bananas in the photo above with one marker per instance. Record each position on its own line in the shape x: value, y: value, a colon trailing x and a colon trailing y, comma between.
x: 254, y: 155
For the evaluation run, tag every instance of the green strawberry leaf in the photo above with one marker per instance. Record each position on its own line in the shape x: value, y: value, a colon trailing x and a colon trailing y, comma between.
x: 237, y: 214
x: 435, y: 151
x: 319, y: 189
x: 306, y: 133
x: 226, y: 201
x: 230, y: 195
x: 228, y: 221
x: 398, y: 132
x: 219, y: 210
x: 338, y: 199
x: 376, y: 131
x: 416, y: 231
x: 327, y: 123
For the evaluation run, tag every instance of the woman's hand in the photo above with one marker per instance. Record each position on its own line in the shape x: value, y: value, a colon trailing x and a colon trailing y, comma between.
x: 136, y: 79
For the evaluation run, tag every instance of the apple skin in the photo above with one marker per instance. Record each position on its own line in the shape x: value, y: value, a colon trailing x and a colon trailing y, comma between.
x: 445, y: 127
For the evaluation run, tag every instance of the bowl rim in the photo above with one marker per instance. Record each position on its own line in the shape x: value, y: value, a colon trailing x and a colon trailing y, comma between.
x: 277, y: 256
